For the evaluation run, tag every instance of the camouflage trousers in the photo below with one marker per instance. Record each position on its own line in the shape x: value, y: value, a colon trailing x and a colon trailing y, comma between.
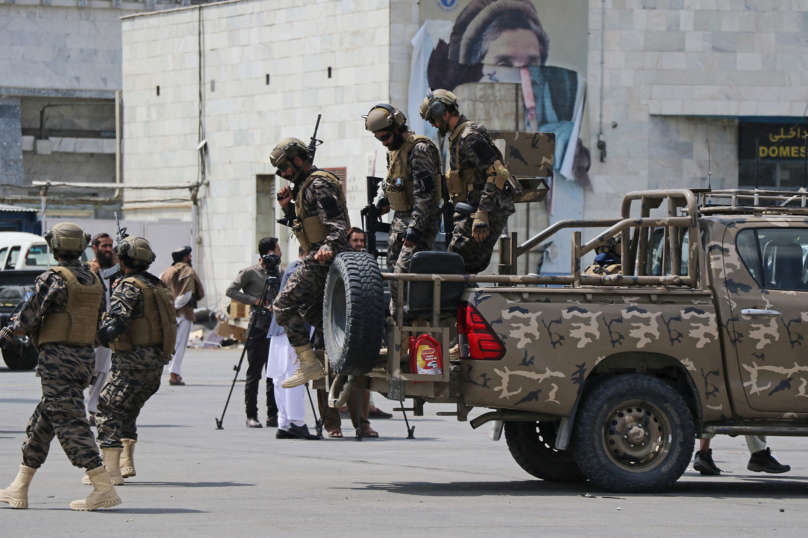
x: 122, y: 398
x: 477, y: 255
x: 398, y: 261
x: 301, y: 301
x: 61, y: 413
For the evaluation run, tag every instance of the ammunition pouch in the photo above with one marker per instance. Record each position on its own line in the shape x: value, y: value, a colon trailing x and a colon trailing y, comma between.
x: 400, y: 199
x: 460, y: 183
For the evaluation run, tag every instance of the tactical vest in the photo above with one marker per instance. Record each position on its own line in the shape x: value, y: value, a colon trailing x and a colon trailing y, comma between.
x: 77, y: 325
x: 311, y: 230
x: 463, y: 181
x: 157, y: 327
x: 402, y: 197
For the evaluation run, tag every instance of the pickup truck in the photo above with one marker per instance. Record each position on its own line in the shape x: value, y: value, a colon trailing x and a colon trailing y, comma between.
x: 609, y: 378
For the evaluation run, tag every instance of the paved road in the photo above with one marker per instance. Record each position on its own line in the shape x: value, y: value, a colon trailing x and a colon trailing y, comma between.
x: 451, y: 481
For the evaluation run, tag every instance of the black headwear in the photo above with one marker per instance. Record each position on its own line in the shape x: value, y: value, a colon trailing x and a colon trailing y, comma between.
x: 179, y: 254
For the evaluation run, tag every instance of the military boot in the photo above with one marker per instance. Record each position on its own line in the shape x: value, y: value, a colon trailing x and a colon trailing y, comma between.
x: 764, y: 462
x: 103, y: 494
x: 17, y: 493
x: 112, y: 462
x: 308, y: 368
x: 128, y: 458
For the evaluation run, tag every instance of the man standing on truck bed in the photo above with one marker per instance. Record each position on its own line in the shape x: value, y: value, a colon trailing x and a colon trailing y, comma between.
x: 62, y: 318
x: 411, y: 189
x: 477, y: 177
x: 321, y: 223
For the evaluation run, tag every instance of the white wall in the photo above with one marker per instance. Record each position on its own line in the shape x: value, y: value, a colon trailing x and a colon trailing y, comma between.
x: 293, y: 41
x: 678, y: 74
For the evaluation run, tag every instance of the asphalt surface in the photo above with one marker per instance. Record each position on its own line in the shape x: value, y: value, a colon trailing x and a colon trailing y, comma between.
x: 450, y: 481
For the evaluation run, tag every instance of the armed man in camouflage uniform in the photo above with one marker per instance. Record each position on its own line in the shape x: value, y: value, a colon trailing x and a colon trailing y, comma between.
x: 321, y: 223
x: 477, y: 177
x: 62, y: 318
x: 141, y: 329
x: 411, y: 189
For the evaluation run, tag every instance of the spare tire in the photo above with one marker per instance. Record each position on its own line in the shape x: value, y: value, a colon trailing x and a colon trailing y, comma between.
x: 353, y: 313
x: 20, y: 354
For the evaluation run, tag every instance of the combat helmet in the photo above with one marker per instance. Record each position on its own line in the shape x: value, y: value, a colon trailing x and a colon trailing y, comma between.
x: 384, y: 116
x: 284, y: 153
x: 136, y: 251
x: 437, y: 103
x: 67, y: 239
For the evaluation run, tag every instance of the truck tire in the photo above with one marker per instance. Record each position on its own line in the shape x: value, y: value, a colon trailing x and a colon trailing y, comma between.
x: 633, y: 434
x: 353, y: 313
x: 19, y: 355
x: 532, y: 445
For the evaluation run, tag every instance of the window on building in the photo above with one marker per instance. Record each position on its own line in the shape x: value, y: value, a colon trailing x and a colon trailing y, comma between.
x: 781, y: 150
x: 265, y: 201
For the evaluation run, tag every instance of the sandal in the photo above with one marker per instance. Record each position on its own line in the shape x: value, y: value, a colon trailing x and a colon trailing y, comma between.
x: 370, y: 432
x: 337, y: 434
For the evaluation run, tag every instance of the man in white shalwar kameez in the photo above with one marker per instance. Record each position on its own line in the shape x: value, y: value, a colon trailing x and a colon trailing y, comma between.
x: 281, y: 365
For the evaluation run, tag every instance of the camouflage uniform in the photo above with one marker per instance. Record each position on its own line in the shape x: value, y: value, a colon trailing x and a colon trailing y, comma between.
x: 467, y: 149
x: 301, y: 300
x: 424, y: 165
x: 65, y: 371
x: 135, y: 374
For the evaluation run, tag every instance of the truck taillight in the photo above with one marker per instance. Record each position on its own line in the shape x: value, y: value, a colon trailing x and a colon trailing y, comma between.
x: 476, y: 339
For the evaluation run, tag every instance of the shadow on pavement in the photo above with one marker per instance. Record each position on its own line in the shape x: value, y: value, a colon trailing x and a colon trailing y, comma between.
x: 162, y: 426
x: 152, y: 511
x: 19, y: 401
x: 779, y: 487
x: 188, y: 484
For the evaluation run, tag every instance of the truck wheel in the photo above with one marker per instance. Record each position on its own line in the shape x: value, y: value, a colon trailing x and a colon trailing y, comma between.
x: 353, y: 313
x: 20, y: 356
x: 633, y: 434
x: 532, y: 445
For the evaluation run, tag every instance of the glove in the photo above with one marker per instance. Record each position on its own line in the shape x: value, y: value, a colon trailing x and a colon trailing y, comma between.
x: 6, y: 334
x: 383, y: 205
x: 413, y: 235
x: 480, y: 226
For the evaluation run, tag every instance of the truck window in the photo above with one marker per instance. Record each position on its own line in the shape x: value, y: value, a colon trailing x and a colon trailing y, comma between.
x: 776, y: 257
x: 3, y: 252
x: 656, y: 250
x: 39, y: 256
x: 11, y: 263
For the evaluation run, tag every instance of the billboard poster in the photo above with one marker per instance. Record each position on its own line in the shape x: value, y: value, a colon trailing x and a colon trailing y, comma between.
x: 539, y: 44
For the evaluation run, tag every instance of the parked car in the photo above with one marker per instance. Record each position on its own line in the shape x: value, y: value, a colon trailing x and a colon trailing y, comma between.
x: 19, y: 353
x: 21, y: 250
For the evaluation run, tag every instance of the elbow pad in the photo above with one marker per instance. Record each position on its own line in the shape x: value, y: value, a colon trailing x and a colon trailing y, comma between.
x: 111, y: 329
x: 498, y: 175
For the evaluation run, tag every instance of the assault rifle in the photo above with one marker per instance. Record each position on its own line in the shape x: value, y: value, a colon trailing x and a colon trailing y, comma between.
x: 448, y: 212
x: 112, y: 272
x: 312, y: 149
x: 371, y: 216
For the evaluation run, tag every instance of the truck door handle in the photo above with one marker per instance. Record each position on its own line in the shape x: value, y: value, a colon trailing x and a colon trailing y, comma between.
x: 759, y: 312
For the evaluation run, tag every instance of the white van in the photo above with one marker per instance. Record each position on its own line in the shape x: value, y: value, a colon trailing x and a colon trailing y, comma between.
x: 21, y: 250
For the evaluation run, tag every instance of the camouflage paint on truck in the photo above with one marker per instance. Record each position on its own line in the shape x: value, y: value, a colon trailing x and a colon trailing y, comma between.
x: 555, y: 338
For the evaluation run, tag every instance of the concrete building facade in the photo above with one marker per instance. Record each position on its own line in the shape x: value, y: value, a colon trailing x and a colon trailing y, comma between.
x: 60, y: 62
x: 676, y: 89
